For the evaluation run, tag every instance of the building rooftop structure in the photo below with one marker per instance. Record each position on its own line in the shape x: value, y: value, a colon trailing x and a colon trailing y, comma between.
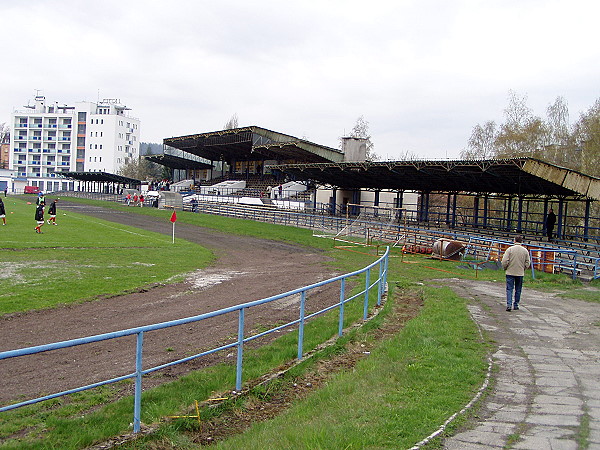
x: 253, y: 144
x: 516, y: 176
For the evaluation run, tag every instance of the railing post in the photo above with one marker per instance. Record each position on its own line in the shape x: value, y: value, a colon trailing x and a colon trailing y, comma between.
x: 380, y: 283
x: 366, y: 303
x: 301, y: 325
x: 342, y: 298
x: 137, y: 405
x: 240, y: 350
x: 532, y: 265
x: 387, y: 261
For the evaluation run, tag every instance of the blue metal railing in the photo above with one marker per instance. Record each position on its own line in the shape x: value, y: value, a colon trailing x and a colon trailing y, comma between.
x: 561, y: 260
x: 379, y: 284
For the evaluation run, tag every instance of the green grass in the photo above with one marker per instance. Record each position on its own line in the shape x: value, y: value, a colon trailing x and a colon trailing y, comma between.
x: 407, y: 387
x: 66, y: 423
x: 82, y: 258
x: 403, y: 391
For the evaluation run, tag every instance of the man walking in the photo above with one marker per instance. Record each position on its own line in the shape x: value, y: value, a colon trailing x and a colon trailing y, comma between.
x: 514, y: 261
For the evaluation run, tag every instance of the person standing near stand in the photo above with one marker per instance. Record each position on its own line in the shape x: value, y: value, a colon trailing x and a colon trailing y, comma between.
x: 550, y: 221
x: 514, y: 261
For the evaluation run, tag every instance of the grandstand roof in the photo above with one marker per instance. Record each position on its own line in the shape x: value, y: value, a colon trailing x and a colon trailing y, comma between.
x: 177, y: 162
x: 100, y: 176
x: 519, y: 176
x: 253, y: 144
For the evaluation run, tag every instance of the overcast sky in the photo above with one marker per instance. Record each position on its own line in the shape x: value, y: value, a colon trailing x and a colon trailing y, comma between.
x: 423, y: 73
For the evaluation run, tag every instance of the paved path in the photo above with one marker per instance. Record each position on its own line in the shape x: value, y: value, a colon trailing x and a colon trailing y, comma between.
x: 547, y: 384
x: 546, y: 393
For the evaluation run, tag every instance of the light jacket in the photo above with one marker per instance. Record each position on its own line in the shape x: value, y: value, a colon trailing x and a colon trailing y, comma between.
x: 515, y: 260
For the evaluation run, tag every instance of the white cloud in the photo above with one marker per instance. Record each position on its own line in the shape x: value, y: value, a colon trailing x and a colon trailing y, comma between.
x: 422, y: 73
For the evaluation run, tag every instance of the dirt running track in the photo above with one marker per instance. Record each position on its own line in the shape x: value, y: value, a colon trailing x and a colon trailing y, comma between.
x: 246, y: 269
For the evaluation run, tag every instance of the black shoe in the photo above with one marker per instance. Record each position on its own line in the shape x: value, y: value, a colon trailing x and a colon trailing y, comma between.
x: 508, y: 308
x: 516, y: 307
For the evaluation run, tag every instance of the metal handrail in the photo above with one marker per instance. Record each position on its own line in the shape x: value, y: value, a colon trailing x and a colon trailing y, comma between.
x: 379, y: 283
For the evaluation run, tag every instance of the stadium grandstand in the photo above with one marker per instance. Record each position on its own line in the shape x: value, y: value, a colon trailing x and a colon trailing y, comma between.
x: 253, y: 167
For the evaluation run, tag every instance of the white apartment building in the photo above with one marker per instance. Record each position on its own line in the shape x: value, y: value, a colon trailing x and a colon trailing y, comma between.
x: 48, y: 138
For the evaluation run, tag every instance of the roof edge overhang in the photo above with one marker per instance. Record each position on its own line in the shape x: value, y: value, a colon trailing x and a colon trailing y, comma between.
x: 569, y: 182
x: 575, y: 181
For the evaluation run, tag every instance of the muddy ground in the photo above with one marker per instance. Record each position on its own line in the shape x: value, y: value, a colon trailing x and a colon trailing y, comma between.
x: 246, y: 269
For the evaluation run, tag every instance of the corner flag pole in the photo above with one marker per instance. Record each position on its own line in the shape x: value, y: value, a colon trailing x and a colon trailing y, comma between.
x: 173, y: 219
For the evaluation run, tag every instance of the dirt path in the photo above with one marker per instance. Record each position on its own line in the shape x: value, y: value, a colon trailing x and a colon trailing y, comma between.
x: 246, y: 269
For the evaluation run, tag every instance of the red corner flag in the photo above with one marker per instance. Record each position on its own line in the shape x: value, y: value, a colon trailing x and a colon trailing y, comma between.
x: 173, y: 218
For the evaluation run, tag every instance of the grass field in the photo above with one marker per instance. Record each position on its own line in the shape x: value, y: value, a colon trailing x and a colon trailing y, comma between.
x: 82, y: 258
x: 411, y: 382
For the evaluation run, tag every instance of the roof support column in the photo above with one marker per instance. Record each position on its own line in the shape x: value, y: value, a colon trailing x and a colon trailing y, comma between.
x: 448, y: 195
x: 486, y: 200
x: 586, y: 222
x: 332, y: 201
x: 423, y: 215
x: 565, y: 216
x: 454, y: 196
x: 560, y: 218
x: 476, y: 211
x: 356, y: 200
x: 520, y: 215
x: 508, y: 209
x: 399, y: 202
x: 376, y: 200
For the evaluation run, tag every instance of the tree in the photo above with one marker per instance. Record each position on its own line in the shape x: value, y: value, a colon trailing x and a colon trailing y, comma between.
x: 4, y: 133
x: 522, y: 134
x: 131, y: 169
x: 141, y: 168
x: 361, y: 131
x: 482, y: 143
x: 231, y: 123
x: 586, y: 141
x: 408, y: 155
x: 557, y: 122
